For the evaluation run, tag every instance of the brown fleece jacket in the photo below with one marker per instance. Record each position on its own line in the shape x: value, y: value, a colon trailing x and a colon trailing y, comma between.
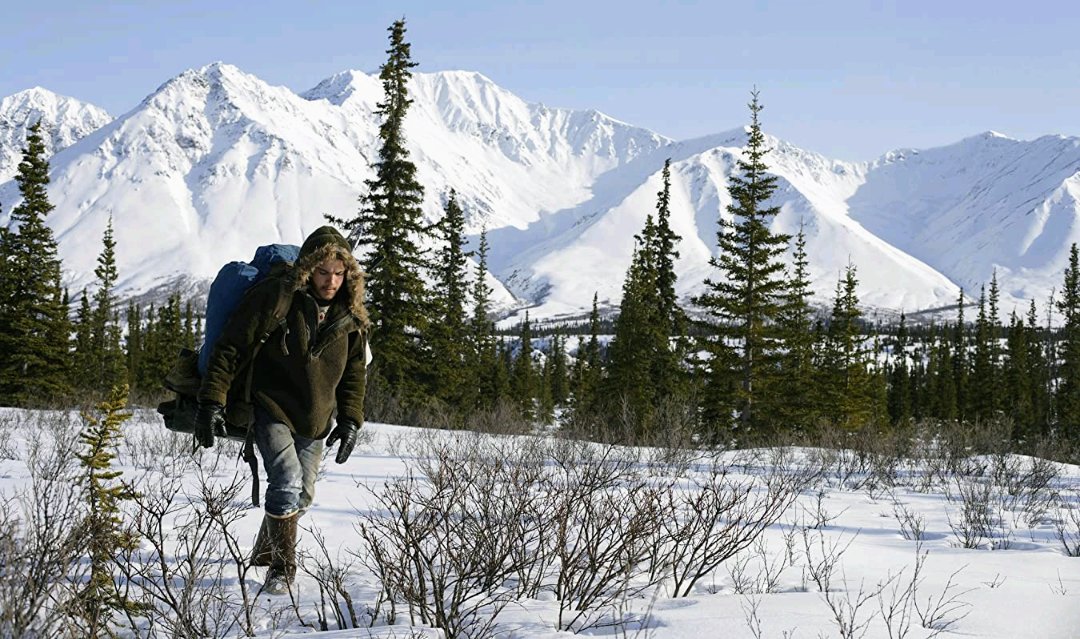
x: 304, y: 370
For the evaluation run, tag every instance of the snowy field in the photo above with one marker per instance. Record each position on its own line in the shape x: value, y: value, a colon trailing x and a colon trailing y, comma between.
x: 544, y: 538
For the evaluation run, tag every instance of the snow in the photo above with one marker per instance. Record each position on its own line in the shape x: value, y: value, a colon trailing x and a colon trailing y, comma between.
x: 217, y: 162
x: 1027, y: 588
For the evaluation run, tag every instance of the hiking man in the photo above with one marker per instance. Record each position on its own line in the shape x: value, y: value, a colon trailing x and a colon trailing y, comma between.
x: 309, y: 369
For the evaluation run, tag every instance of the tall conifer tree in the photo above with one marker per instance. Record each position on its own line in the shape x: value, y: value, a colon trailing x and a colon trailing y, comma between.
x: 35, y: 341
x: 1068, y: 392
x: 449, y: 336
x: 746, y: 301
x: 109, y: 368
x: 390, y: 227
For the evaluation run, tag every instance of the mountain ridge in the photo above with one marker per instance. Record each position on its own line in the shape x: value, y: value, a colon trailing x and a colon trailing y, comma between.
x: 216, y: 161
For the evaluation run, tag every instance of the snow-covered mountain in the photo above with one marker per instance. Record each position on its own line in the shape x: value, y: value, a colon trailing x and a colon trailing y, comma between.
x: 66, y: 120
x: 216, y: 162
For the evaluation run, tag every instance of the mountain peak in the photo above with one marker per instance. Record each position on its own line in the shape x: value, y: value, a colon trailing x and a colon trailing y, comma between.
x: 65, y: 120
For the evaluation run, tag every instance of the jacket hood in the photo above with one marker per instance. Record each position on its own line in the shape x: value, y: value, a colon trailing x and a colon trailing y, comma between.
x: 327, y: 243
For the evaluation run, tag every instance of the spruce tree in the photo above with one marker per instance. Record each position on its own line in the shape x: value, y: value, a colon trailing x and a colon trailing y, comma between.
x: 981, y: 395
x: 960, y: 360
x: 640, y: 339
x: 1018, y: 378
x: 35, y: 340
x: 587, y: 373
x: 900, y: 388
x: 390, y: 227
x: 109, y: 368
x: 524, y: 384
x: 104, y: 493
x: 83, y: 356
x: 1068, y: 391
x: 488, y: 384
x: 667, y: 373
x: 134, y: 344
x: 1038, y: 358
x: 449, y: 335
x: 747, y: 300
x: 794, y: 404
x: 847, y: 378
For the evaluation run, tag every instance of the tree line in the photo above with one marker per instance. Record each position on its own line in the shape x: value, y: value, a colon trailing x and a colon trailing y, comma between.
x: 748, y: 357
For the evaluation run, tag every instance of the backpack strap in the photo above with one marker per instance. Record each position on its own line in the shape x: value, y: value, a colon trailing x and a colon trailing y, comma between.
x: 281, y: 309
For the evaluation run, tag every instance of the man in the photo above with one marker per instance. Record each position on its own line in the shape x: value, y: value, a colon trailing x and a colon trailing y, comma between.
x: 309, y: 367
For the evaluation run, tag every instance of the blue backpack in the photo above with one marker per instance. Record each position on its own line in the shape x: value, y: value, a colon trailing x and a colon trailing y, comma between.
x: 228, y: 288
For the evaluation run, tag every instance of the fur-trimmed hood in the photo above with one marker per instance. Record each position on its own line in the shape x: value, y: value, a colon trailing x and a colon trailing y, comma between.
x: 323, y: 244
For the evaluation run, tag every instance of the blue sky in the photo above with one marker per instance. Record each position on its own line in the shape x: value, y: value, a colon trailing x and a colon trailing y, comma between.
x: 848, y: 79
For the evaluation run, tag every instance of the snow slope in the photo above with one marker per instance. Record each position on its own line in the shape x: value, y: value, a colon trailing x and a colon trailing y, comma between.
x: 216, y: 162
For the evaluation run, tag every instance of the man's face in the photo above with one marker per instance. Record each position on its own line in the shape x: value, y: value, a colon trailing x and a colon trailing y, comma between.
x: 328, y: 278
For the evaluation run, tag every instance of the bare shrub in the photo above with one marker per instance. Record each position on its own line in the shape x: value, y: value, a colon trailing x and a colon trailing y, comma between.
x: 330, y: 573
x: 719, y: 516
x: 441, y: 543
x: 847, y: 608
x: 178, y: 576
x: 912, y: 524
x: 822, y: 556
x: 42, y: 542
x: 1067, y: 523
x: 973, y: 524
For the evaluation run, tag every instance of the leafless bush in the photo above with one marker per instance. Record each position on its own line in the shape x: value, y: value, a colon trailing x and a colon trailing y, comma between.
x: 442, y: 544
x: 719, y: 516
x: 818, y: 515
x: 974, y: 522
x: 330, y: 573
x: 181, y: 574
x: 41, y: 543
x: 822, y: 556
x: 1067, y: 523
x: 602, y: 538
x: 847, y: 607
x: 912, y: 524
x: 769, y: 568
x: 942, y: 610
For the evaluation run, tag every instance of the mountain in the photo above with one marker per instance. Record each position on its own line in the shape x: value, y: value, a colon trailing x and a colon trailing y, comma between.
x: 68, y: 120
x: 216, y: 162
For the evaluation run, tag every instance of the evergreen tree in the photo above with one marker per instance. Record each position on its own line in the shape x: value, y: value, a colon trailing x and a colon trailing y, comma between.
x: 524, y: 383
x: 1068, y: 391
x: 560, y: 389
x: 109, y: 369
x: 105, y: 534
x: 960, y: 360
x: 1019, y: 377
x: 900, y: 393
x: 83, y: 355
x: 747, y: 300
x: 941, y: 374
x: 640, y: 339
x: 847, y: 380
x: 1039, y: 358
x: 794, y: 404
x: 134, y: 344
x: 35, y: 340
x: 449, y: 337
x: 666, y: 370
x: 980, y: 397
x: 487, y: 384
x: 588, y: 372
x: 390, y: 226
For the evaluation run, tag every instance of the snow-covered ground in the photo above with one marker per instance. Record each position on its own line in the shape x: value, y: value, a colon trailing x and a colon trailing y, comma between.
x: 869, y: 547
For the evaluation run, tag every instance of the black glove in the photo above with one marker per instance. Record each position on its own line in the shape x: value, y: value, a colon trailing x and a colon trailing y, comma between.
x: 345, y: 432
x: 209, y: 419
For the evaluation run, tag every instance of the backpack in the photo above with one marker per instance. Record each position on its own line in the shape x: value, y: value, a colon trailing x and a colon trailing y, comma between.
x: 230, y: 285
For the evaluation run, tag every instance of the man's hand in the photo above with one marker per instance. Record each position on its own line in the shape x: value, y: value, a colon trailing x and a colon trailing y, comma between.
x: 209, y: 419
x: 345, y: 432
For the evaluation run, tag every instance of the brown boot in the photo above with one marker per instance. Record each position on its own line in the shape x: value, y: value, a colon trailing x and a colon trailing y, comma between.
x: 261, y: 553
x: 282, y: 535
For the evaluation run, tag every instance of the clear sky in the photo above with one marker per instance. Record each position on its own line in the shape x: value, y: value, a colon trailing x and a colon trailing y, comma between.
x: 849, y: 79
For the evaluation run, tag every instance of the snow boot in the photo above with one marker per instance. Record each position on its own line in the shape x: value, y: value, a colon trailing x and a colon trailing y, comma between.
x: 281, y: 533
x: 261, y: 553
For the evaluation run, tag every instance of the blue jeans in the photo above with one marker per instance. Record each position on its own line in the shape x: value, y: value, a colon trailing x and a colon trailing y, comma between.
x: 292, y: 464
